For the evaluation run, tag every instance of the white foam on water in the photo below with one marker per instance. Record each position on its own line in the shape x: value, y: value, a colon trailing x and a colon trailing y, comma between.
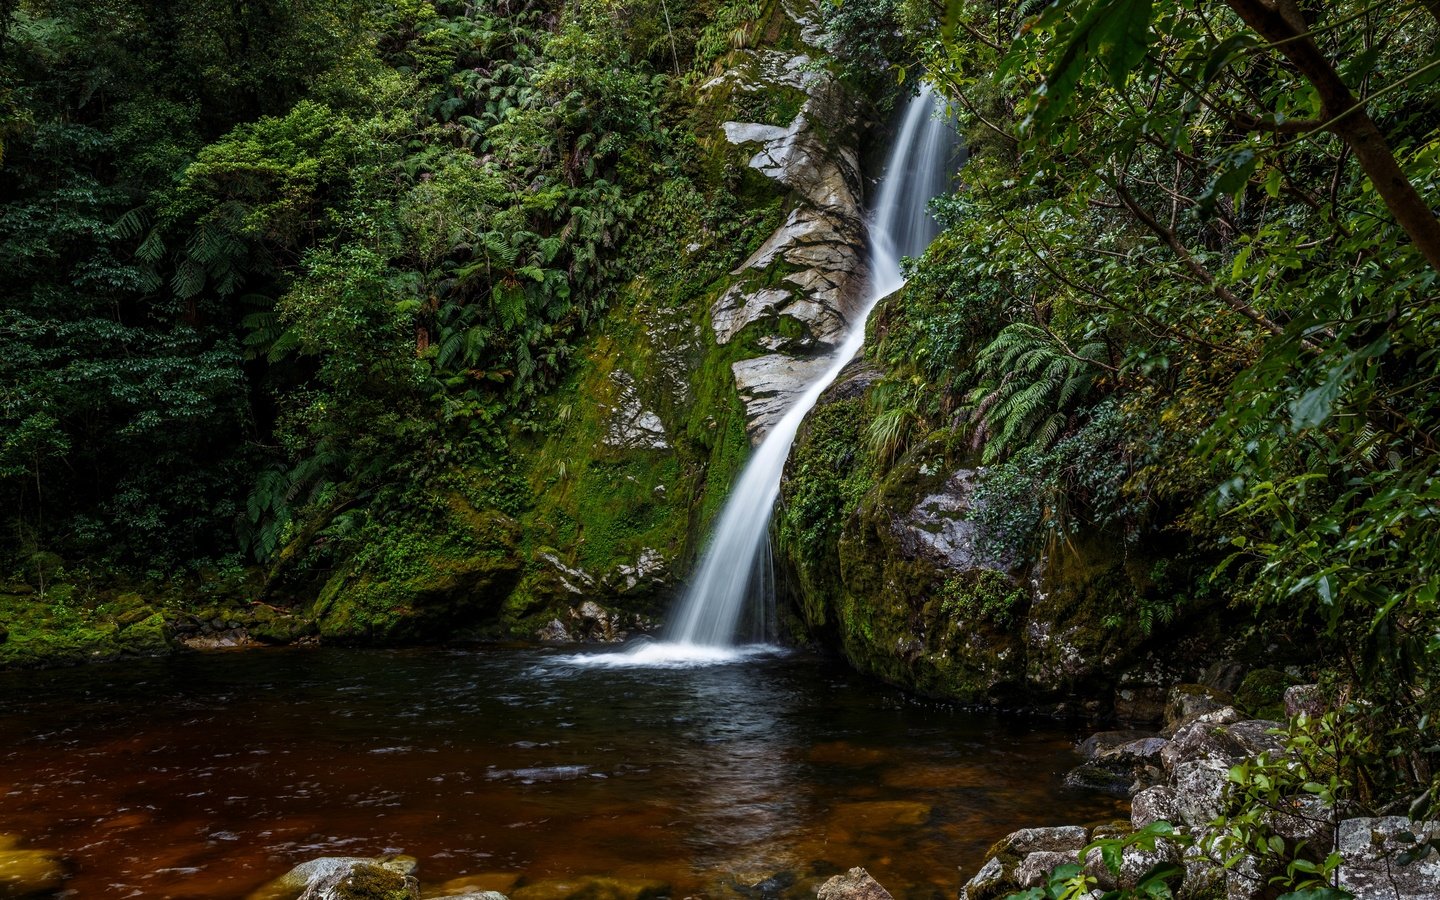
x: 668, y: 655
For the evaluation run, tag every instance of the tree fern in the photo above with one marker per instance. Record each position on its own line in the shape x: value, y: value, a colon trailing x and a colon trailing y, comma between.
x: 1030, y: 384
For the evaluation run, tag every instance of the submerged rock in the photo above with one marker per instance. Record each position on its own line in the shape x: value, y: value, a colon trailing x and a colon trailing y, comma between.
x: 489, y: 885
x: 28, y: 873
x: 855, y: 884
x: 595, y: 887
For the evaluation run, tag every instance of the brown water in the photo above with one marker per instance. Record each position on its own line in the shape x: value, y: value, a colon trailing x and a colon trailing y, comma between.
x: 205, y: 776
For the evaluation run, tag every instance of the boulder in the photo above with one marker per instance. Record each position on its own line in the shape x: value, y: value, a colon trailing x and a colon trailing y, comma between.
x: 1189, y: 702
x: 1102, y: 741
x: 994, y: 879
x: 493, y: 884
x: 327, y: 871
x: 1204, y: 737
x: 1063, y: 839
x: 1159, y: 803
x: 855, y: 884
x: 363, y: 881
x: 1372, y: 868
x: 1303, y: 698
x: 1200, y: 789
x: 1034, y: 870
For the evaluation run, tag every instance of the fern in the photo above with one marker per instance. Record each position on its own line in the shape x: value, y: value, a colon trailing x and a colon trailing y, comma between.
x: 1030, y: 385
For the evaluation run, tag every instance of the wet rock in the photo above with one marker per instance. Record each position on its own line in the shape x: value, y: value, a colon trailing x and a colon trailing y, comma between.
x: 1372, y: 869
x: 763, y: 885
x: 1305, y: 820
x: 1101, y: 741
x: 327, y: 872
x: 28, y: 873
x: 592, y: 888
x: 553, y: 632
x: 855, y: 884
x: 1098, y: 778
x: 1034, y: 870
x: 630, y: 425
x: 942, y: 526
x: 646, y: 575
x: 363, y: 881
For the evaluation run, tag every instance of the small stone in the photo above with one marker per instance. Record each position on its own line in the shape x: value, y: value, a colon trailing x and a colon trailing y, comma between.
x: 855, y: 884
x: 488, y: 883
x: 328, y: 871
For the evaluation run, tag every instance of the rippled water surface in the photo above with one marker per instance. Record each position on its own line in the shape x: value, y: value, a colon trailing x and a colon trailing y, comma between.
x: 207, y: 775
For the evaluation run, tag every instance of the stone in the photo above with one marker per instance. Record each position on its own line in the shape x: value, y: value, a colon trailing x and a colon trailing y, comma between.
x: 942, y: 526
x: 363, y: 881
x: 329, y: 871
x: 1256, y: 736
x: 594, y: 887
x: 1305, y: 820
x: 1191, y: 701
x: 1304, y: 698
x: 629, y: 425
x: 28, y: 873
x: 1371, y: 869
x: 1101, y: 741
x: 1034, y: 870
x: 1137, y: 862
x: 1203, y: 738
x: 993, y: 879
x: 1223, y: 675
x: 554, y: 632
x: 1098, y: 778
x: 1063, y: 839
x: 855, y: 884
x: 1200, y: 789
x: 1154, y: 804
x: 1262, y: 692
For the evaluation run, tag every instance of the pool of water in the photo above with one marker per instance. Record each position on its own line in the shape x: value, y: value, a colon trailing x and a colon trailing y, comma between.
x: 207, y: 775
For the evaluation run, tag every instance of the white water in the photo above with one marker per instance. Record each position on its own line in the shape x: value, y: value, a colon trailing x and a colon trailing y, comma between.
x: 706, y: 623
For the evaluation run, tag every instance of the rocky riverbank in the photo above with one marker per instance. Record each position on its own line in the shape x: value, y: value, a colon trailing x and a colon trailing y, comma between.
x: 1212, y: 815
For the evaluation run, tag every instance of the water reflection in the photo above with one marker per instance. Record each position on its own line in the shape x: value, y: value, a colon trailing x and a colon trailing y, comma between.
x: 205, y: 776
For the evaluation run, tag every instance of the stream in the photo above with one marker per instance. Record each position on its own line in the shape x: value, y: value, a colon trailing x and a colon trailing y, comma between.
x: 206, y: 775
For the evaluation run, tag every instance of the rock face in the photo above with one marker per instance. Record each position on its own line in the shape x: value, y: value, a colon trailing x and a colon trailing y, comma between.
x: 810, y: 272
x: 911, y: 574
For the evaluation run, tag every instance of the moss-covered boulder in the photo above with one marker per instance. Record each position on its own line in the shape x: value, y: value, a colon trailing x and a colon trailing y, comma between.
x: 889, y: 561
x: 419, y: 584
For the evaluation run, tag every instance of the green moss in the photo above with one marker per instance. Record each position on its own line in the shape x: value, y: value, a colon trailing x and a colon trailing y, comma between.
x: 1262, y: 693
x: 982, y: 595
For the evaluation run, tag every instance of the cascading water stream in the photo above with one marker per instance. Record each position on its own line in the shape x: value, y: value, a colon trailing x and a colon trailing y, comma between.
x: 734, y: 570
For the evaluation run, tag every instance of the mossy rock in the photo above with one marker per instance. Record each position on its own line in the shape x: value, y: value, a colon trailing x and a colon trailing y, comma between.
x: 1262, y: 693
x: 149, y: 636
x: 425, y: 584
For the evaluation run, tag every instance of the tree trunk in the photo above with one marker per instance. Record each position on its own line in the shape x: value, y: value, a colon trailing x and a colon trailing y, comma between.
x: 1281, y: 23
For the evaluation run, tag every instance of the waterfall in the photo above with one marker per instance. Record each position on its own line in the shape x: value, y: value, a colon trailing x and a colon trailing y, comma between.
x: 735, y: 568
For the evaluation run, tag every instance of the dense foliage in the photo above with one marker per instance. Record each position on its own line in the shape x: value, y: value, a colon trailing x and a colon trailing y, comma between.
x: 265, y: 263
x: 1189, y: 286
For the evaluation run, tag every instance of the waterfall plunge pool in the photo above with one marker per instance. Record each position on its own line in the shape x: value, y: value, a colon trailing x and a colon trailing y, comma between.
x: 206, y: 775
